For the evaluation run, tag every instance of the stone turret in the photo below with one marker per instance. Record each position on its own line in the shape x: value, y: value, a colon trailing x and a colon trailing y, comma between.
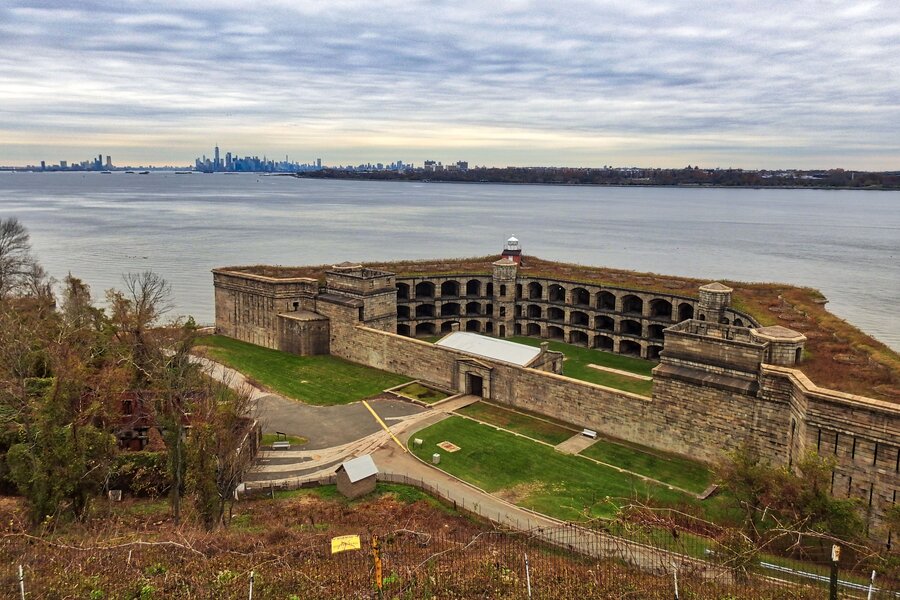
x: 505, y: 296
x: 784, y: 346
x: 715, y: 298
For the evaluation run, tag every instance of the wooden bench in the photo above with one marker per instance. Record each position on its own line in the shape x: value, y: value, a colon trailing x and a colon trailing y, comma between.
x: 281, y: 445
x: 589, y: 433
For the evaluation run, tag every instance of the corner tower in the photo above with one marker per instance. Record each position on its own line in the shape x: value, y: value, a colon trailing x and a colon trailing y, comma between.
x: 715, y: 298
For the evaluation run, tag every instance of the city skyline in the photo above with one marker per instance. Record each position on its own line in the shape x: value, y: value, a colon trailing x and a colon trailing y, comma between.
x: 657, y: 84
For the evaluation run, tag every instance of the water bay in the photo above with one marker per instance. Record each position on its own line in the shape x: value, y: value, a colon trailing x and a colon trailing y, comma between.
x: 99, y: 226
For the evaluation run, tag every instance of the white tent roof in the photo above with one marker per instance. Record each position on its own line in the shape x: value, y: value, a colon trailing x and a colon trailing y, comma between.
x: 488, y: 347
x: 359, y: 468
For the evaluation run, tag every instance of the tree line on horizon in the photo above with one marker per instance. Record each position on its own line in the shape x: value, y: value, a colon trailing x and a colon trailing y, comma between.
x: 689, y: 176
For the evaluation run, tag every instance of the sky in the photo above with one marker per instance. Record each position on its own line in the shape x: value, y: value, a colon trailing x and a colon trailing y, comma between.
x: 656, y: 83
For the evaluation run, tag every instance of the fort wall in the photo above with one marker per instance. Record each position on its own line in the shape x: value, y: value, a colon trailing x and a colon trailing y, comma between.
x: 722, y: 381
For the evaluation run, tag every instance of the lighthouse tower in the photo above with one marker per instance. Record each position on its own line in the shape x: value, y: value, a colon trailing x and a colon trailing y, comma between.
x: 512, y: 250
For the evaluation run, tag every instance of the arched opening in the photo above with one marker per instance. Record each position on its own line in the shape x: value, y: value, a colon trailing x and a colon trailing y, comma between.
x: 533, y: 329
x: 503, y: 331
x: 424, y: 329
x: 402, y: 291
x: 424, y: 311
x: 448, y: 326
x: 798, y: 354
x: 632, y: 305
x: 518, y: 310
x: 604, y: 323
x: 473, y: 287
x: 555, y: 333
x: 473, y: 326
x: 473, y: 308
x: 424, y: 289
x: 653, y: 352
x: 450, y: 309
x: 402, y: 311
x: 724, y: 321
x: 556, y: 314
x: 629, y: 347
x: 557, y: 293
x: 655, y: 332
x: 535, y: 290
x: 579, y: 318
x: 702, y: 317
x: 685, y: 311
x: 489, y: 289
x: 489, y: 310
x: 503, y: 290
x: 403, y: 329
x: 738, y: 322
x: 534, y: 311
x: 489, y: 327
x: 630, y: 327
x: 660, y: 309
x: 450, y: 289
x: 518, y: 329
x: 579, y: 338
x: 603, y: 342
x: 581, y: 296
x: 502, y: 311
x: 606, y: 301
x: 518, y: 290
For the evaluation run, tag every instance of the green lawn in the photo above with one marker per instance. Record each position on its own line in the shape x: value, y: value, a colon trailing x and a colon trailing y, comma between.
x: 421, y: 392
x: 533, y: 475
x: 514, y: 421
x: 578, y: 358
x: 322, y: 380
x: 684, y: 473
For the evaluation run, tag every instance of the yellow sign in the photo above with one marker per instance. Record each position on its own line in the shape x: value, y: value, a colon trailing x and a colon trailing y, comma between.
x: 344, y: 542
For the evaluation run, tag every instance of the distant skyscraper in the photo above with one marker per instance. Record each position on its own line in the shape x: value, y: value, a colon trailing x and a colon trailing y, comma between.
x: 108, y: 161
x: 217, y: 164
x: 319, y: 163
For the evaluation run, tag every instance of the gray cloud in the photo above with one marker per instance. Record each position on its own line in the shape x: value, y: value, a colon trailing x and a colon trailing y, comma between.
x: 803, y: 83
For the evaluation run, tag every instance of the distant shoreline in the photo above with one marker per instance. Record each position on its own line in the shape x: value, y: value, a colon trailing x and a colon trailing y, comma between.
x: 485, y: 182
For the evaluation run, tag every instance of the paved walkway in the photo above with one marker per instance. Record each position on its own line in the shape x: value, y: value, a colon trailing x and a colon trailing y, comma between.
x: 575, y: 444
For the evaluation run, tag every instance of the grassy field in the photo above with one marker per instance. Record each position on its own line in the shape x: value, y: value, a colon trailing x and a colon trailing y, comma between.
x: 578, y: 359
x: 321, y: 380
x: 686, y: 474
x: 514, y: 421
x: 421, y: 392
x: 536, y: 476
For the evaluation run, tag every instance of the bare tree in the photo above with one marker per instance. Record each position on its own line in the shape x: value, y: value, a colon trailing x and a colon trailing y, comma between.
x: 16, y: 262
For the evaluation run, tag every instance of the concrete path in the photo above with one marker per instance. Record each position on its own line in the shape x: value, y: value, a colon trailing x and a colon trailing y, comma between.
x: 621, y: 372
x: 575, y: 444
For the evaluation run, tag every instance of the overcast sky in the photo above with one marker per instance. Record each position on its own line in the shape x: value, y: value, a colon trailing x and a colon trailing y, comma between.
x: 653, y: 83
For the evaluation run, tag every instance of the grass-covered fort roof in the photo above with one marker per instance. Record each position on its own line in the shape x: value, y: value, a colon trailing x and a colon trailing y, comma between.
x: 838, y: 355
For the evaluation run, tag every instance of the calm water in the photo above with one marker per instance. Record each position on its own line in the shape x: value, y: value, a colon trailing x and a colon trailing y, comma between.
x: 97, y: 226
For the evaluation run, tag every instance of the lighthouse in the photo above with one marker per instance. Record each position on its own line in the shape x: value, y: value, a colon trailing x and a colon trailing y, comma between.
x: 512, y: 251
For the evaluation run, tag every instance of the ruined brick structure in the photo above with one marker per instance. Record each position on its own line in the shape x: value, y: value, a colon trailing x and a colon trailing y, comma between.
x: 722, y: 380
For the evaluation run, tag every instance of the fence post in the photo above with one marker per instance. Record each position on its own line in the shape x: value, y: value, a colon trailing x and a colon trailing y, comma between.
x: 527, y: 575
x: 833, y: 581
x: 251, y: 586
x: 871, y: 586
x: 21, y: 583
x: 675, y: 574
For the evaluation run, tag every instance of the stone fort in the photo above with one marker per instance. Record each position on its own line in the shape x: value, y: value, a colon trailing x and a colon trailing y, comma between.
x: 721, y: 381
